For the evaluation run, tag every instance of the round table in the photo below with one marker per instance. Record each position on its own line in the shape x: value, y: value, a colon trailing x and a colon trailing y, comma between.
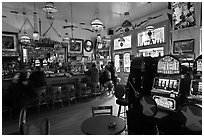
x: 99, y: 125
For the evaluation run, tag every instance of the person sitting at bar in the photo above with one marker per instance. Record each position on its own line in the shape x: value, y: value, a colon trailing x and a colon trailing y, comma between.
x: 112, y: 71
x: 36, y: 80
x: 17, y: 91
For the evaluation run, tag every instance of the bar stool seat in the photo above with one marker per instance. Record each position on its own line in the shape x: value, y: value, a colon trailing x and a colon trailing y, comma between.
x: 57, y: 96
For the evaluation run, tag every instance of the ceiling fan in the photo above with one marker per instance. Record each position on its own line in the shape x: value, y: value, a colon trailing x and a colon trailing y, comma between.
x: 126, y: 25
x: 69, y: 26
x: 145, y: 22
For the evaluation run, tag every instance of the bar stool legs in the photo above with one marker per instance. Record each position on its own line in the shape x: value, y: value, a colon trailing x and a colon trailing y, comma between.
x: 57, y: 96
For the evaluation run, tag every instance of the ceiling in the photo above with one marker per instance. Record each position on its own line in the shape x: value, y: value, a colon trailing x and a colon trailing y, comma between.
x: 110, y: 13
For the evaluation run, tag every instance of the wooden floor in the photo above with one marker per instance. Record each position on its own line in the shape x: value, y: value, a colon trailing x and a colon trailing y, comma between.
x: 63, y: 121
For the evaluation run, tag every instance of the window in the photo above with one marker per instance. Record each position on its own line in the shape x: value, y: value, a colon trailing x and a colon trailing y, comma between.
x: 126, y: 63
x: 117, y: 62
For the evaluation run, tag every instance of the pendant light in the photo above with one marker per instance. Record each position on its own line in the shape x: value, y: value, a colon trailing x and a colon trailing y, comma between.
x: 50, y: 9
x: 72, y: 41
x: 149, y: 27
x: 36, y: 35
x: 24, y: 38
x: 66, y: 37
x: 97, y: 24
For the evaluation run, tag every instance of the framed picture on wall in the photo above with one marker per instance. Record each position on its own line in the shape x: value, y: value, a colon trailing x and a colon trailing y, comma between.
x: 183, y: 46
x: 183, y: 15
x: 76, y: 47
x: 9, y: 41
x: 88, y: 45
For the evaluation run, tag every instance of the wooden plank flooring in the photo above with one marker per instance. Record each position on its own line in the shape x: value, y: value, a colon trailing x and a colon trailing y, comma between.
x: 64, y: 121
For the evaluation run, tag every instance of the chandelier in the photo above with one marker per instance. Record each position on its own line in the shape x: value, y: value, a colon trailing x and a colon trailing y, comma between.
x: 72, y: 40
x: 50, y: 9
x: 36, y: 35
x: 24, y: 38
x: 97, y: 24
x: 149, y: 28
x: 66, y: 37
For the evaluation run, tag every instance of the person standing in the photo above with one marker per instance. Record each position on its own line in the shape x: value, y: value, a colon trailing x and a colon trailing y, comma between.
x: 112, y: 71
x: 93, y: 73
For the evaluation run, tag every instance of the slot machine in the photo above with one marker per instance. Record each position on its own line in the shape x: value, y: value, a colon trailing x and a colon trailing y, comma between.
x: 172, y: 82
x: 195, y: 95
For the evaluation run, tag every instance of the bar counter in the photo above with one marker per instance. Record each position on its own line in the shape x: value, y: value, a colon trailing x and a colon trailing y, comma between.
x: 52, y: 81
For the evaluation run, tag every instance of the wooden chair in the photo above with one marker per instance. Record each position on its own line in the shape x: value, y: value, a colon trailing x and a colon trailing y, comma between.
x: 96, y: 89
x: 57, y: 96
x: 70, y: 89
x: 29, y: 128
x: 102, y: 110
x: 85, y: 92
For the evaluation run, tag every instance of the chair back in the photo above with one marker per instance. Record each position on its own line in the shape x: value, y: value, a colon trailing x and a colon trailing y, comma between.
x: 70, y: 88
x: 192, y: 117
x: 56, y: 89
x: 102, y: 110
x: 149, y: 106
x: 45, y: 127
x: 22, y: 121
x: 40, y: 92
x: 119, y: 91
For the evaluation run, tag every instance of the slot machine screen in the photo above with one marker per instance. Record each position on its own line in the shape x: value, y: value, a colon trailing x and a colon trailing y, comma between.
x: 199, y: 65
x: 168, y: 65
x: 196, y: 87
x: 168, y: 85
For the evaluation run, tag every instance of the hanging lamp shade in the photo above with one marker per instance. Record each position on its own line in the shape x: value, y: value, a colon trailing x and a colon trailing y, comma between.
x: 150, y: 28
x: 66, y: 37
x: 49, y: 7
x: 36, y: 36
x: 97, y: 24
x: 25, y: 38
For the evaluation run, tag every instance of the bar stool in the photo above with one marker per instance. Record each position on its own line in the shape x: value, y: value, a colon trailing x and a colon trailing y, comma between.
x: 85, y: 91
x: 119, y: 93
x: 96, y: 89
x: 57, y: 95
x: 42, y: 98
x: 70, y: 89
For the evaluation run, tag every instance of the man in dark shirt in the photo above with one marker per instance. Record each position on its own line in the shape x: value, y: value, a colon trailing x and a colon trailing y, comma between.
x: 93, y: 74
x: 112, y: 71
x: 37, y: 78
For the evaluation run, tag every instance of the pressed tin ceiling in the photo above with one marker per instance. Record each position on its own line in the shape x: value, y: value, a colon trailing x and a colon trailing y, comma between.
x: 110, y: 13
